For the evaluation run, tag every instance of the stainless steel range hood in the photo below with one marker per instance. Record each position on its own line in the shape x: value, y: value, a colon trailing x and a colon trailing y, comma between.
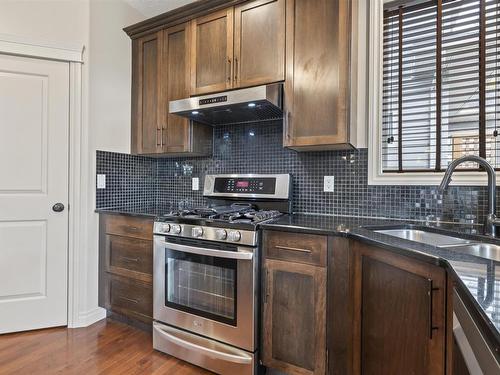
x: 232, y: 107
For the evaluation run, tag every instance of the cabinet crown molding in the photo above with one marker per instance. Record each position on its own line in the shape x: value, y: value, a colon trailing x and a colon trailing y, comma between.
x: 178, y: 15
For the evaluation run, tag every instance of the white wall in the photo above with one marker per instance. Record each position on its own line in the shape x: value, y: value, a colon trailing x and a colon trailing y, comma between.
x: 97, y: 25
x: 109, y: 104
x: 110, y: 72
x: 52, y: 21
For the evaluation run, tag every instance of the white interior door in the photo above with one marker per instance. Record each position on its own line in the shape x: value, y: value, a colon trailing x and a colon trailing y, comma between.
x: 34, y: 119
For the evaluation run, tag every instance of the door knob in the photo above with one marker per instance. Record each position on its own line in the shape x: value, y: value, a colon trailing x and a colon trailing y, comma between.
x: 58, y: 207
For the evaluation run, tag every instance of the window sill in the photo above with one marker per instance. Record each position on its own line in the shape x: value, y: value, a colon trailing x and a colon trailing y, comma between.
x: 427, y: 179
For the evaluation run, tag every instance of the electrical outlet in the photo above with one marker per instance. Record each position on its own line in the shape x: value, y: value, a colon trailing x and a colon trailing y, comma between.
x: 329, y: 184
x: 196, y: 183
x: 101, y: 181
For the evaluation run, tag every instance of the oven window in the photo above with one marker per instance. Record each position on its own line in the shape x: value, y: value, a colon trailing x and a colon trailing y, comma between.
x: 201, y: 285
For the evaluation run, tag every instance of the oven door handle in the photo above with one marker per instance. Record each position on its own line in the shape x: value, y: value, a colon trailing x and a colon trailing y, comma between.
x: 238, y: 255
x: 228, y: 357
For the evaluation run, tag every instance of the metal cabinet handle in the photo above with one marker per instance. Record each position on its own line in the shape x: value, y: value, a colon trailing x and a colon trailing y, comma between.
x: 235, y: 69
x: 129, y: 259
x: 293, y: 249
x: 430, y: 293
x: 229, y: 69
x: 286, y: 125
x: 158, y: 138
x: 129, y: 299
x: 266, y: 286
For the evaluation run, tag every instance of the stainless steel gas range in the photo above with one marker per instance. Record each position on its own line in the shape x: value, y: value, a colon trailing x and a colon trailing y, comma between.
x: 206, y: 272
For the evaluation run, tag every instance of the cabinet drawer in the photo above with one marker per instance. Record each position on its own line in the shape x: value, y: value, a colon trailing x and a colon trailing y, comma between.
x: 129, y: 226
x: 296, y: 247
x: 131, y: 298
x: 129, y: 254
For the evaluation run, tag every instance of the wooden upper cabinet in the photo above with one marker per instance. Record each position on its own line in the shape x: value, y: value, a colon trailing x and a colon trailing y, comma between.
x: 146, y: 68
x: 256, y: 30
x: 311, y: 45
x: 176, y: 79
x: 161, y: 73
x: 259, y: 42
x: 317, y: 74
x: 212, y: 52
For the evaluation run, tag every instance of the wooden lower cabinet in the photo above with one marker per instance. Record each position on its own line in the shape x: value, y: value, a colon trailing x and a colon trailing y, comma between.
x: 394, y: 309
x: 126, y: 266
x: 294, y: 305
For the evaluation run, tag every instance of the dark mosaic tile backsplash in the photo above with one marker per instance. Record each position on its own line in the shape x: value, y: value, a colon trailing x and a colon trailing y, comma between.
x: 158, y: 184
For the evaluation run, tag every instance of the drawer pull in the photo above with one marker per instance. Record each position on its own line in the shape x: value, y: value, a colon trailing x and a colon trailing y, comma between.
x: 133, y: 228
x: 129, y: 299
x: 293, y: 249
x: 129, y: 259
x: 430, y: 296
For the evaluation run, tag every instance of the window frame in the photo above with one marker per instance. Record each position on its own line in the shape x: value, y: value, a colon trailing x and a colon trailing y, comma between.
x: 376, y: 176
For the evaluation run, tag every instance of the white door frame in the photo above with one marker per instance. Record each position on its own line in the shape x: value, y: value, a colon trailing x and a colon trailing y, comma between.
x: 78, y: 166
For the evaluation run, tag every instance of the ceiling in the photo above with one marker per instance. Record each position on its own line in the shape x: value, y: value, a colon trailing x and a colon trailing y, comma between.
x: 150, y: 8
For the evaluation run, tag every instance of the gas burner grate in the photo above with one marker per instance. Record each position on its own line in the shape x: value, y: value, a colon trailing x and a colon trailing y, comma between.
x: 235, y: 213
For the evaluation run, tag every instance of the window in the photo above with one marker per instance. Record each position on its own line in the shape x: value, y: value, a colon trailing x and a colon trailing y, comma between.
x: 440, y: 84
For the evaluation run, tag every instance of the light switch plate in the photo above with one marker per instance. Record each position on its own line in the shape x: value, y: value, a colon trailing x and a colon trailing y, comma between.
x: 101, y: 181
x: 196, y: 183
x: 329, y: 184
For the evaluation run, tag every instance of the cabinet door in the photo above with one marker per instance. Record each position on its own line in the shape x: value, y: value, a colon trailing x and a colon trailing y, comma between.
x: 317, y: 74
x: 294, y: 323
x: 212, y: 52
x: 176, y: 85
x: 259, y: 43
x: 146, y: 68
x: 399, y: 314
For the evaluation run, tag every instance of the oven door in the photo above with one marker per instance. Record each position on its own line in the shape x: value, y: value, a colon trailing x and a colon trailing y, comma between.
x: 205, y: 290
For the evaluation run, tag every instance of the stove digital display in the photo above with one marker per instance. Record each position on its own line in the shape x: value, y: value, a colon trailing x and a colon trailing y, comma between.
x: 265, y: 185
x: 242, y: 184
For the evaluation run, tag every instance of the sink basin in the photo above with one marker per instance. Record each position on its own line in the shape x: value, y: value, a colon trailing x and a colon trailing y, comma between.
x: 483, y: 250
x: 429, y: 238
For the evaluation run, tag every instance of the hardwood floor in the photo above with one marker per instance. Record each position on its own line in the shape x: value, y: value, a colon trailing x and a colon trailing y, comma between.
x: 106, y: 347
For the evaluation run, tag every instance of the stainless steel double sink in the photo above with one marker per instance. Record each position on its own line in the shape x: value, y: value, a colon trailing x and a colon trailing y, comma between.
x: 462, y: 245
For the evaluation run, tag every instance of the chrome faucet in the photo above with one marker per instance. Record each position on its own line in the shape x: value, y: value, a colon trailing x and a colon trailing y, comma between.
x: 491, y: 219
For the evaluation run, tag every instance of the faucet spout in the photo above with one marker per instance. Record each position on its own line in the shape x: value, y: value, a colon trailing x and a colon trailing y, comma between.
x: 491, y: 219
x: 446, y: 180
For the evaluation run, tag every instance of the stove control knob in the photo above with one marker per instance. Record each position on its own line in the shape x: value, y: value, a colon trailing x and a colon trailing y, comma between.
x: 234, y: 236
x: 175, y: 229
x: 197, y: 232
x: 220, y: 234
x: 165, y: 228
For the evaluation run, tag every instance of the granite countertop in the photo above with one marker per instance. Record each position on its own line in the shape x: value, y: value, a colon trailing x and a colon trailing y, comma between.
x: 146, y: 212
x: 477, y: 278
